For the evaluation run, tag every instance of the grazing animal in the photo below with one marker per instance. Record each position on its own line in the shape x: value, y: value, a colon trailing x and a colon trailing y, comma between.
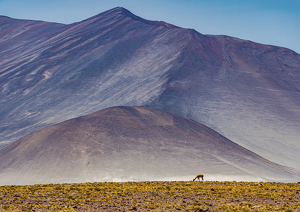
x: 199, y: 176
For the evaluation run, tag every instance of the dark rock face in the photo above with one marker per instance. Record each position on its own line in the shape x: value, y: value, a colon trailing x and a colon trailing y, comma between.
x: 246, y: 91
x: 129, y: 143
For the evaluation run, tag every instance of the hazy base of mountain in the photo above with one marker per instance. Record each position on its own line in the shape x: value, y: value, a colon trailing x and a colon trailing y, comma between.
x: 51, y: 72
x: 131, y: 143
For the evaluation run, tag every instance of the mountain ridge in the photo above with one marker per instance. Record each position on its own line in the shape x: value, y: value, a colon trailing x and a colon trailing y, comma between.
x: 246, y: 91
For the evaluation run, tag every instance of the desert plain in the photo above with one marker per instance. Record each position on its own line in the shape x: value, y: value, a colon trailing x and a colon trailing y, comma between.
x: 153, y: 196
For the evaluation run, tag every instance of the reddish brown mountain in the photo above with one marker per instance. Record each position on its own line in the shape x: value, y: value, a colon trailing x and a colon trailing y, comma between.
x: 246, y: 91
x: 130, y: 143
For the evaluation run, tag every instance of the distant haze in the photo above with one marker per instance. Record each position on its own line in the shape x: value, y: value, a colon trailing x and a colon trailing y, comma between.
x: 207, y: 177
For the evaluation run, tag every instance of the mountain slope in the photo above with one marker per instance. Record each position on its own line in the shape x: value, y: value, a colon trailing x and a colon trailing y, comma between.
x: 246, y: 91
x: 252, y: 97
x: 80, y: 62
x: 130, y: 143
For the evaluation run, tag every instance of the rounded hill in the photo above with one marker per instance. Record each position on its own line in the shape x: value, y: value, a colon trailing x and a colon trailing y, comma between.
x: 129, y: 143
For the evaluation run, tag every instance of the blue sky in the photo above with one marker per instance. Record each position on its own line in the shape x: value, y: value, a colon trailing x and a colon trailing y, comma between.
x: 275, y: 22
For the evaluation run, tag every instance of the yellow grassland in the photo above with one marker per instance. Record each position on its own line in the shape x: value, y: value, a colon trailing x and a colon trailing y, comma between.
x: 152, y: 196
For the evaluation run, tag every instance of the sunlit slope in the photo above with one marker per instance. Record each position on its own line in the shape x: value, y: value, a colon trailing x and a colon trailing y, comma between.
x: 252, y: 96
x: 130, y: 143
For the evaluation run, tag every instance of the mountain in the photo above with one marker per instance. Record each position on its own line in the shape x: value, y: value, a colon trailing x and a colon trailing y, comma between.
x: 246, y: 91
x: 130, y: 143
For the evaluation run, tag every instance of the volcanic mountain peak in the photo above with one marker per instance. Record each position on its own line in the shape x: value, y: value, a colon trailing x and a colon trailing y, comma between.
x: 126, y: 13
